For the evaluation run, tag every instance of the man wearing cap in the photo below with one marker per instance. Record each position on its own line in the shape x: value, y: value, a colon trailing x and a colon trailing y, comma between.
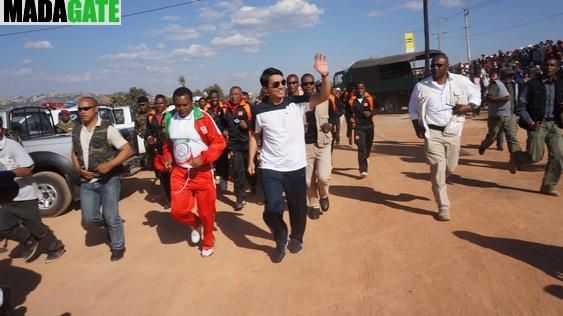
x: 502, y: 95
x: 66, y: 124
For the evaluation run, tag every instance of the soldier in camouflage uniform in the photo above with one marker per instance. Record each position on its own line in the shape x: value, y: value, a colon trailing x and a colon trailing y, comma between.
x: 141, y: 121
x: 66, y: 124
x: 98, y: 152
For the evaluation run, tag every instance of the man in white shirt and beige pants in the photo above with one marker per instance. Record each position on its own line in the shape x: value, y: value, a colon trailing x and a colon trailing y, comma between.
x: 437, y: 109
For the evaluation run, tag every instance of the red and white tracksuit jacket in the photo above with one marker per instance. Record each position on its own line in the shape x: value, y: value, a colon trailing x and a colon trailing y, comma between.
x: 189, y: 186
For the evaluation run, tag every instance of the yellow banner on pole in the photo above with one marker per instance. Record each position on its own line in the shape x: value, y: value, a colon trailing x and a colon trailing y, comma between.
x: 409, y: 42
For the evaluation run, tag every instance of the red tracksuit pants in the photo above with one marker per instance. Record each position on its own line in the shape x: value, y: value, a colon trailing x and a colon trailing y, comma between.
x: 189, y: 186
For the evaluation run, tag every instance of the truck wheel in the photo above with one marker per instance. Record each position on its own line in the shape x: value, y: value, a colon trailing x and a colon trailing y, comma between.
x: 391, y: 105
x: 54, y: 193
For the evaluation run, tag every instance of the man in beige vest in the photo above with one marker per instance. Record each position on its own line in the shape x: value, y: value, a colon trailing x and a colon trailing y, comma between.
x: 318, y: 140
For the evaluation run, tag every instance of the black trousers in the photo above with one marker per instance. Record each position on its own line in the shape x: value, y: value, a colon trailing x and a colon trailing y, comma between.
x: 241, y: 177
x: 165, y: 184
x: 293, y: 183
x: 364, y: 140
x: 222, y: 165
x: 21, y: 220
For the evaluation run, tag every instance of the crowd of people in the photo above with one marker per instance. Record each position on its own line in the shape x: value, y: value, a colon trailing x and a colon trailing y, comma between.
x: 284, y: 142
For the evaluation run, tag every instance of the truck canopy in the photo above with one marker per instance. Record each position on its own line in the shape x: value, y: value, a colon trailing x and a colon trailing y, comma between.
x: 370, y: 62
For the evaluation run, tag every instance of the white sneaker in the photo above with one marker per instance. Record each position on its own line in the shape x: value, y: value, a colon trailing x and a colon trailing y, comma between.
x: 196, y: 236
x: 363, y: 174
x: 206, y: 252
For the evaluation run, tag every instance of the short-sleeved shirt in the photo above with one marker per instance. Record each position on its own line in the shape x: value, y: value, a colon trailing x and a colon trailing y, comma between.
x: 282, y: 128
x: 12, y: 156
x: 114, y: 138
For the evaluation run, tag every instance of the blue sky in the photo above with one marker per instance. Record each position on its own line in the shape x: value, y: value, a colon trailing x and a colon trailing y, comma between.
x: 231, y: 42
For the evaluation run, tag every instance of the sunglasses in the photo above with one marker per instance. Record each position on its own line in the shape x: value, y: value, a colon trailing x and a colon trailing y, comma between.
x: 436, y: 65
x: 278, y: 84
x: 84, y: 108
x: 292, y: 82
x: 309, y: 83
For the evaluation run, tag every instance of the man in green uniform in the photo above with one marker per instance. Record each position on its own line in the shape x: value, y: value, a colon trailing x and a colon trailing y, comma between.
x: 66, y: 124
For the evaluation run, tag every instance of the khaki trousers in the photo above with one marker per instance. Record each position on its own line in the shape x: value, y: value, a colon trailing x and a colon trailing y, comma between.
x: 508, y: 125
x: 442, y: 154
x: 548, y: 135
x: 319, y: 168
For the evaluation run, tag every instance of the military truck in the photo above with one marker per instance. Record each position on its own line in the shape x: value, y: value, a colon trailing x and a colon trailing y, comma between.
x: 390, y: 79
x: 57, y: 180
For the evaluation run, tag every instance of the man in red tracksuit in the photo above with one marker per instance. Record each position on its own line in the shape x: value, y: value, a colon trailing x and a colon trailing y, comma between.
x: 193, y: 143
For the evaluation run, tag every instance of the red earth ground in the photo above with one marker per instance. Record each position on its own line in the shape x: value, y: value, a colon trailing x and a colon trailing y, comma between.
x: 377, y: 251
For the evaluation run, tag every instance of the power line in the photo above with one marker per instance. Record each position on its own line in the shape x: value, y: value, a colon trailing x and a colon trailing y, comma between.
x: 511, y: 27
x: 123, y: 16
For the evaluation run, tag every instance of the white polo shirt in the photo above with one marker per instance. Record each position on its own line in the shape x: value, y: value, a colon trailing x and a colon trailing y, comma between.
x: 283, y: 133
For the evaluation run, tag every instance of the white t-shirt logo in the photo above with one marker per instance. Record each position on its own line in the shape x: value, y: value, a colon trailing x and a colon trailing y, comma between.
x: 182, y: 152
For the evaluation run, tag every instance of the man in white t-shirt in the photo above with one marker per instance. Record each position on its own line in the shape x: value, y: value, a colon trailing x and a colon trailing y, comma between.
x: 279, y: 121
x: 98, y: 151
x: 20, y: 219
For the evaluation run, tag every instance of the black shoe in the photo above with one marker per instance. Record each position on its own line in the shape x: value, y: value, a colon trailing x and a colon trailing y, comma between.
x: 278, y: 255
x: 54, y: 255
x: 117, y: 254
x: 481, y: 150
x: 314, y: 213
x: 30, y: 247
x: 294, y: 246
x: 324, y: 204
x: 240, y: 205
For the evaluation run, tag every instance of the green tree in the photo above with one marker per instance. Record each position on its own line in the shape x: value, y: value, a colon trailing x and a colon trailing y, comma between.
x: 215, y: 87
x: 134, y: 93
x: 198, y: 93
x: 182, y: 81
x: 118, y: 99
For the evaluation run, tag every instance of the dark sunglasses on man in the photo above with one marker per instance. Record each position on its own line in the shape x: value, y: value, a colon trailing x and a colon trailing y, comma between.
x: 278, y: 84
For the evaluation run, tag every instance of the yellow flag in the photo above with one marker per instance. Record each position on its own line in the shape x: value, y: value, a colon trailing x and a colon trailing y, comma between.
x: 409, y: 42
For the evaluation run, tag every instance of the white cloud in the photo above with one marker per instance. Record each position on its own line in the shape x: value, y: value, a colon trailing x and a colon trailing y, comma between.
x: 27, y: 61
x: 175, y: 32
x: 246, y: 43
x: 192, y: 52
x: 413, y: 5
x: 38, y: 45
x: 283, y: 14
x: 138, y: 53
x: 375, y: 13
x: 207, y: 27
x: 210, y: 14
x: 170, y: 18
x: 160, y: 46
x: 24, y: 71
x: 451, y: 3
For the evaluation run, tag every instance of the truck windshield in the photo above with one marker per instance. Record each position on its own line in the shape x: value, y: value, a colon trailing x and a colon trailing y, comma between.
x: 31, y: 122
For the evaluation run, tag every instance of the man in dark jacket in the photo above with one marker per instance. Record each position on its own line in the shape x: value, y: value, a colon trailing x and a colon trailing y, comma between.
x: 539, y: 108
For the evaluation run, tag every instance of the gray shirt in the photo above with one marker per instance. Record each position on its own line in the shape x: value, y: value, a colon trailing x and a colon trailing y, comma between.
x: 549, y: 98
x: 12, y: 156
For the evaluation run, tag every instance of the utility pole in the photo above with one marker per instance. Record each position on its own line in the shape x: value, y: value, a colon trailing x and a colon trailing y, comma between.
x: 426, y: 40
x: 439, y: 22
x: 467, y: 41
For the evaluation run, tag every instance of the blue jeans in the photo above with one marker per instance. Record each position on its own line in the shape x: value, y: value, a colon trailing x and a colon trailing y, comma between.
x: 104, y: 193
x: 293, y: 183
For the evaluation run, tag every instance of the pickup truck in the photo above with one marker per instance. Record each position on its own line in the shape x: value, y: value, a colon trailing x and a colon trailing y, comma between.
x: 57, y: 180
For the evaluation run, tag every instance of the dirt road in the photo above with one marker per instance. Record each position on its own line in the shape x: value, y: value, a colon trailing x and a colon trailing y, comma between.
x: 377, y: 251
